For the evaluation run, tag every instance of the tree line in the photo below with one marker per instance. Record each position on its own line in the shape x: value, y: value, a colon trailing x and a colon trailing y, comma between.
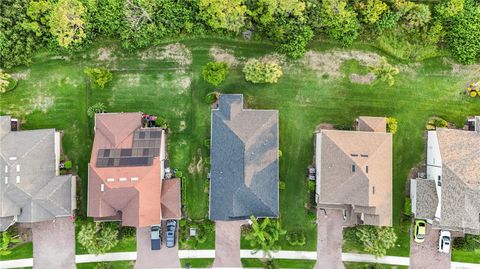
x: 69, y: 25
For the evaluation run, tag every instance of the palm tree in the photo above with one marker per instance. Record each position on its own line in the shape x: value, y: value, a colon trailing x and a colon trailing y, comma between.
x: 7, y: 241
x: 264, y: 235
x: 96, y: 238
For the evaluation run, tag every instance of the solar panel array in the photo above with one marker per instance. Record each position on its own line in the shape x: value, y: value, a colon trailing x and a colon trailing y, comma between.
x: 146, y: 146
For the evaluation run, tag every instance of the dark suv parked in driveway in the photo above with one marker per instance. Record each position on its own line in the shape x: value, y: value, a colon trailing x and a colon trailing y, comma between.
x: 170, y: 237
x: 155, y: 238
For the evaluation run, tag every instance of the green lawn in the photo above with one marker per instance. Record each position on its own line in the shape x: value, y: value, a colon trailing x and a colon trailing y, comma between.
x: 199, y: 263
x: 361, y: 265
x: 55, y: 94
x: 116, y: 265
x: 282, y: 263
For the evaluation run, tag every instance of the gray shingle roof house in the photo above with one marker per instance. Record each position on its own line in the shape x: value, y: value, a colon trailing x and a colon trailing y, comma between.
x: 449, y: 196
x: 31, y: 189
x: 354, y: 172
x: 244, y: 161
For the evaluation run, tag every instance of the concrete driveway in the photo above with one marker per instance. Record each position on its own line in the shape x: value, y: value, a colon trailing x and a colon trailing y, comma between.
x: 329, y: 239
x: 163, y: 258
x: 227, y: 244
x: 54, y: 244
x: 425, y: 255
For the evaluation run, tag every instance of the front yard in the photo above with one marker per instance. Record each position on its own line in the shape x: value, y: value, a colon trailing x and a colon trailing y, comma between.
x: 167, y: 81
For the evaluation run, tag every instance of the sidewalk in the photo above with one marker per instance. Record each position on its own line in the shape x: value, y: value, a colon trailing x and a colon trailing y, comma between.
x: 192, y: 254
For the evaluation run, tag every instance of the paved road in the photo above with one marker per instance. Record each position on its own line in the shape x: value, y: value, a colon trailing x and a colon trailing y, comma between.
x: 147, y: 258
x: 426, y: 255
x: 184, y: 254
x: 329, y: 239
x: 54, y: 244
x: 227, y: 244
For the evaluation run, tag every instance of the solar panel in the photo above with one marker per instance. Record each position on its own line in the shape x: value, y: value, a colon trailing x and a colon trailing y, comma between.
x: 146, y: 146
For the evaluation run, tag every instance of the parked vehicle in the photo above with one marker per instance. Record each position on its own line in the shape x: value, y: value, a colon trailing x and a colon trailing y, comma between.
x: 419, y: 230
x: 155, y: 238
x: 170, y: 237
x: 444, y: 242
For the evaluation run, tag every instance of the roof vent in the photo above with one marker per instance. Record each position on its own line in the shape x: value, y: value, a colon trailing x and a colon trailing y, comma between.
x: 353, y: 168
x: 18, y: 168
x: 12, y: 158
x: 18, y: 179
x: 123, y: 179
x: 102, y: 187
x: 364, y: 155
x: 6, y: 180
x: 6, y: 168
x: 134, y: 179
x: 110, y: 179
x: 354, y: 154
x: 366, y: 169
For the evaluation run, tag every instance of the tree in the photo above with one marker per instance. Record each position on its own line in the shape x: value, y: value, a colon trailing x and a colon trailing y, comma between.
x: 385, y: 71
x: 98, y: 76
x: 223, y: 14
x: 262, y: 72
x: 97, y: 238
x: 38, y: 12
x: 294, y: 44
x: 271, y: 264
x: 339, y: 22
x: 376, y: 240
x: 264, y: 235
x: 7, y: 242
x: 392, y: 125
x: 215, y: 72
x: 370, y: 11
x: 450, y: 8
x: 96, y: 108
x: 463, y: 32
x: 67, y: 22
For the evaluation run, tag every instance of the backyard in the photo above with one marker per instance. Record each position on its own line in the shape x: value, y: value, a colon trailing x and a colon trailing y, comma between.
x: 167, y: 81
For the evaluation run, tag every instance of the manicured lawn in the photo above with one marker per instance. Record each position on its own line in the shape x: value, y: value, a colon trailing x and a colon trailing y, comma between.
x: 116, y: 265
x: 23, y: 251
x: 466, y: 256
x: 361, y: 265
x: 283, y: 263
x: 197, y: 263
x: 55, y: 94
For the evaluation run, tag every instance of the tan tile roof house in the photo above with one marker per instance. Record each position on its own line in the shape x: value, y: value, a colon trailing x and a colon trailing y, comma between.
x: 244, y: 161
x: 31, y: 189
x: 126, y: 173
x: 449, y: 196
x: 354, y: 172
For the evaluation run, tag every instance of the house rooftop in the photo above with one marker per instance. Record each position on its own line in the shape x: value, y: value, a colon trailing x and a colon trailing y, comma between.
x: 244, y: 161
x: 460, y: 198
x: 355, y: 168
x: 30, y: 189
x: 125, y: 172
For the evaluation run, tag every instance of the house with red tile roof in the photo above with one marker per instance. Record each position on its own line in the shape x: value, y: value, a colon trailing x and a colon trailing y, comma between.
x: 126, y: 173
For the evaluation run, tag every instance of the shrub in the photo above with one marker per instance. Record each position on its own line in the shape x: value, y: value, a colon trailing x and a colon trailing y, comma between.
x: 161, y: 122
x: 178, y: 174
x: 7, y: 242
x: 468, y: 242
x: 435, y: 123
x: 296, y: 238
x: 385, y: 71
x: 311, y: 185
x: 262, y: 72
x: 103, y: 265
x: 407, y: 209
x: 280, y: 154
x: 281, y: 185
x: 98, y: 76
x: 211, y: 98
x: 392, y: 125
x: 207, y: 142
x: 6, y: 81
x: 376, y: 240
x: 215, y: 72
x: 97, y: 238
x: 96, y: 108
x: 68, y: 165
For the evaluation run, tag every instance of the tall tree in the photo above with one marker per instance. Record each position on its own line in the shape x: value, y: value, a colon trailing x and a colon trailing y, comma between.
x: 264, y: 235
x: 67, y: 22
x: 339, y: 22
x: 97, y: 238
x: 223, y: 14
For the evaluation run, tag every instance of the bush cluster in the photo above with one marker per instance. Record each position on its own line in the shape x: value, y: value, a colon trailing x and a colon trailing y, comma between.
x: 262, y: 72
x: 296, y: 238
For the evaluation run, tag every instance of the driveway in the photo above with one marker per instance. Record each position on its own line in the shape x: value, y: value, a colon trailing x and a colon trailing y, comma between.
x: 227, y: 244
x: 163, y: 258
x: 329, y: 239
x: 54, y: 244
x: 425, y: 255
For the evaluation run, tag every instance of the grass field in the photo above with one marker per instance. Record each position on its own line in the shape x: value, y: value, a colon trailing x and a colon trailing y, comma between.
x: 167, y: 81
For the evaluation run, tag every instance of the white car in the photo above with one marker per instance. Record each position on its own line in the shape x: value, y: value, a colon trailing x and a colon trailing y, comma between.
x: 444, y: 242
